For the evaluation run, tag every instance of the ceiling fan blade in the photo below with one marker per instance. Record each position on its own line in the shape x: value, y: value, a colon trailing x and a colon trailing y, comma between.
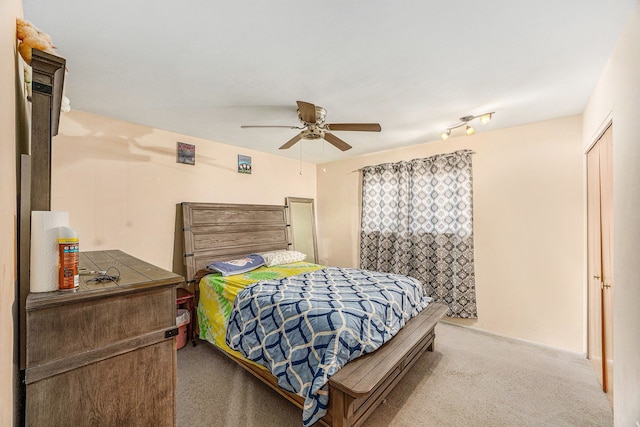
x: 307, y: 111
x: 337, y: 142
x: 291, y: 142
x: 363, y: 127
x: 267, y: 126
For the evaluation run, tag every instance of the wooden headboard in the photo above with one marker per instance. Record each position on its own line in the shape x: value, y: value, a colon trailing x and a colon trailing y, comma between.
x: 219, y: 232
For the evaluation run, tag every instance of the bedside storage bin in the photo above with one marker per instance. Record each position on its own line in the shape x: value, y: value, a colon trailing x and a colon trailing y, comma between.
x: 182, y: 322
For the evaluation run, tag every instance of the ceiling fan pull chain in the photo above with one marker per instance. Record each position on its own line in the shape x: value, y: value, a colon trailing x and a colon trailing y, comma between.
x: 324, y: 169
x: 300, y: 151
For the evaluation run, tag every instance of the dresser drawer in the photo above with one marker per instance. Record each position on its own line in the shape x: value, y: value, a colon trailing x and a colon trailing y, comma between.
x: 77, y: 327
x: 131, y: 389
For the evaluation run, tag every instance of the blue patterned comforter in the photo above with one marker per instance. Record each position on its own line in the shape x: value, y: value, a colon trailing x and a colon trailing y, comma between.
x: 304, y: 328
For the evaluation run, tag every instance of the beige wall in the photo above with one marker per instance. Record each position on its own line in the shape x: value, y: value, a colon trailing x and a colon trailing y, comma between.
x: 617, y: 97
x: 9, y: 10
x: 120, y: 182
x: 528, y: 221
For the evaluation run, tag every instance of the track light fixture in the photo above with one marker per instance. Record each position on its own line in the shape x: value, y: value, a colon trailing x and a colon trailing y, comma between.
x: 484, y: 119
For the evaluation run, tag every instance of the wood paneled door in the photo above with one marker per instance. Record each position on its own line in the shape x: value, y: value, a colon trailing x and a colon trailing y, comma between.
x: 600, y: 258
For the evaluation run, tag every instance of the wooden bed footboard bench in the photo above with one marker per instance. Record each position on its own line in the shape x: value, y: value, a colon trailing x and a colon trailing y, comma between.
x: 362, y: 384
x: 356, y: 390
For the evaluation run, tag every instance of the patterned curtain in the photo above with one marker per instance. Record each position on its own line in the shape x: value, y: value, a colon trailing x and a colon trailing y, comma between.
x: 417, y: 220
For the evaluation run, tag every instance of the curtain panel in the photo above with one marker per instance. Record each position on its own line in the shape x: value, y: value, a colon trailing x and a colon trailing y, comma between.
x: 417, y: 220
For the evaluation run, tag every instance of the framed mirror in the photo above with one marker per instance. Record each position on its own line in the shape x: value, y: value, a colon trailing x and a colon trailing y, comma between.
x: 301, y: 218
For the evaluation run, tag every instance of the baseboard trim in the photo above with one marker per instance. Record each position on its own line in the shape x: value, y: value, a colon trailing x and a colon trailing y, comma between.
x: 522, y: 340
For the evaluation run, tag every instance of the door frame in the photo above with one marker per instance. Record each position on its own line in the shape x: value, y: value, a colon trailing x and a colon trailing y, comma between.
x: 603, y: 376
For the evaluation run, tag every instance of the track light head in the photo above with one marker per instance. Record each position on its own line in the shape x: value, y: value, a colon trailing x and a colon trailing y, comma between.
x: 445, y: 134
x: 470, y: 130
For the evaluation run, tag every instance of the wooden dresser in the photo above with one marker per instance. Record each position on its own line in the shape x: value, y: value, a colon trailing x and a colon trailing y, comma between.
x: 104, y: 354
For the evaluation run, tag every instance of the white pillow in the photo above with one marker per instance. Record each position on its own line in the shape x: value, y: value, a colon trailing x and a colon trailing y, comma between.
x: 282, y: 257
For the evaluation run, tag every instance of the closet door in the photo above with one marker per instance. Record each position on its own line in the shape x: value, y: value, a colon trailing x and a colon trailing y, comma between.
x: 600, y: 258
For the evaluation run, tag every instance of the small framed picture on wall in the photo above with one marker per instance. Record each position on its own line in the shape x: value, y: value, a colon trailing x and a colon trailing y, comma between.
x: 186, y: 153
x: 244, y: 164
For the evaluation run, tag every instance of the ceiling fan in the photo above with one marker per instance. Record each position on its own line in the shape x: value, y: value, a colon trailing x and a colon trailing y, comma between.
x: 314, y: 127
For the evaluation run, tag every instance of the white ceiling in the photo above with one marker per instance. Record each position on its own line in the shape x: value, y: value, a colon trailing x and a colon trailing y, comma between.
x: 205, y: 67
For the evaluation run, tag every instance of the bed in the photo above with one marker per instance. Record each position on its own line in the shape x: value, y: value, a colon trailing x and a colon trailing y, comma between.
x: 218, y: 232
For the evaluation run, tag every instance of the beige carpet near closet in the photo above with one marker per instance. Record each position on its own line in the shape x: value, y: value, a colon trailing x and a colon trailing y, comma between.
x: 471, y: 379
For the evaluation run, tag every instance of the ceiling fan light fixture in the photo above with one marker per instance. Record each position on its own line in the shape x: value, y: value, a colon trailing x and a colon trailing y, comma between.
x: 312, y: 132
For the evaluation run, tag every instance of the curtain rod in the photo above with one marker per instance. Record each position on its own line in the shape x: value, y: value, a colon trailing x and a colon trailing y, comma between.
x: 440, y: 155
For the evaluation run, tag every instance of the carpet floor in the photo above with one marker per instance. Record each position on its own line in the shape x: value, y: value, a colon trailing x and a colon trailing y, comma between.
x: 471, y: 379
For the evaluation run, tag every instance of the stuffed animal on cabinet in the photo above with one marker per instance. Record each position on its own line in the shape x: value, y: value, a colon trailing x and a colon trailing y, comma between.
x: 32, y: 38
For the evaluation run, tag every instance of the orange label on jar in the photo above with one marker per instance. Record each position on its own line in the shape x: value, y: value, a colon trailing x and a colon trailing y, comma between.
x: 68, y: 258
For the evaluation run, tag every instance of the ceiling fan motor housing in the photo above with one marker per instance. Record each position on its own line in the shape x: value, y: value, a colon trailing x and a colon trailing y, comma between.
x: 314, y: 130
